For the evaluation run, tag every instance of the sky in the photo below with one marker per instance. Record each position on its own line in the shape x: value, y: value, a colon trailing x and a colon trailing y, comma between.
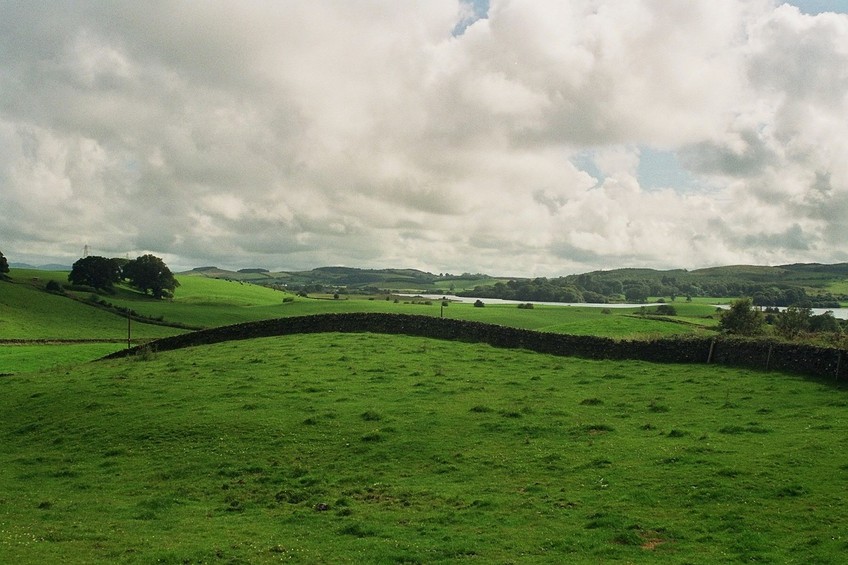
x: 509, y: 137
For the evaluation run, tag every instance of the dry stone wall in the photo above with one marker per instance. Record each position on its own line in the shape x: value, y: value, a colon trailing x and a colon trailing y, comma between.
x: 793, y: 358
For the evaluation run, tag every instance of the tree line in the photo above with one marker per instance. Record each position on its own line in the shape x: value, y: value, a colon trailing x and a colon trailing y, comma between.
x: 146, y: 273
x: 593, y: 288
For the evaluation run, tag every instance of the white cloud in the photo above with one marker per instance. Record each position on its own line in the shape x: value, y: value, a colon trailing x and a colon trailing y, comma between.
x: 293, y: 135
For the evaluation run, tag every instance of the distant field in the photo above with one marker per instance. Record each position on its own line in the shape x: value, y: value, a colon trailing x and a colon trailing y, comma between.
x: 206, y: 302
x: 838, y: 287
x: 31, y: 314
x: 361, y: 448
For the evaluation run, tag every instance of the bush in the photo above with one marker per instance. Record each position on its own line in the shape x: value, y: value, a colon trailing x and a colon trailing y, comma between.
x: 793, y: 321
x: 742, y: 318
x: 53, y: 286
x: 478, y: 303
x: 666, y: 310
x: 526, y: 306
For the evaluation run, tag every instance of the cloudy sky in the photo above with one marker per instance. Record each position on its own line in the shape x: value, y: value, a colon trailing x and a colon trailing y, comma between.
x: 512, y: 137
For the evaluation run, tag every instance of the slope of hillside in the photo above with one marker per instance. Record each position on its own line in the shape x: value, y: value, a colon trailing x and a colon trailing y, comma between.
x: 28, y: 313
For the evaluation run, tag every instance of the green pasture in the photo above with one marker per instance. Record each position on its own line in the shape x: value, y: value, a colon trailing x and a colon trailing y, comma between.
x: 840, y: 287
x: 207, y: 302
x: 29, y: 313
x: 356, y: 448
x: 579, y: 320
x: 18, y: 358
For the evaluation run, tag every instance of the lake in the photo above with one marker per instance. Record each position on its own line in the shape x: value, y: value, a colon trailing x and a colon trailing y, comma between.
x: 841, y: 313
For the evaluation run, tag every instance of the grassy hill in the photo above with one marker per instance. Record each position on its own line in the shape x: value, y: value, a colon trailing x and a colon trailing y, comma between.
x: 813, y: 277
x: 29, y: 313
x: 207, y: 302
x: 351, y: 278
x: 358, y: 448
x: 390, y: 449
x: 74, y: 330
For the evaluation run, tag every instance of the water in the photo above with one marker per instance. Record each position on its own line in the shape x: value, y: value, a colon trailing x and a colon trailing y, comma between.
x: 840, y: 313
x: 471, y: 300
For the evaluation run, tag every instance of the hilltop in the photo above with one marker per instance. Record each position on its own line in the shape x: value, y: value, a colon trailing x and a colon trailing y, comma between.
x: 352, y: 278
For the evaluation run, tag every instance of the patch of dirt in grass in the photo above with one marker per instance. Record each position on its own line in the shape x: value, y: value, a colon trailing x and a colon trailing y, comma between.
x: 651, y: 540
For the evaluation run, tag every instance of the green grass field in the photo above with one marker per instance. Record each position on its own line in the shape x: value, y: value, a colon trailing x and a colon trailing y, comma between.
x: 362, y: 448
x: 28, y: 357
x: 391, y: 449
x: 28, y: 313
x: 210, y: 302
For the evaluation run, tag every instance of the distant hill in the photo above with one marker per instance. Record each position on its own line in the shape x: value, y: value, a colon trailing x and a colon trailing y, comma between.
x: 809, y: 284
x: 49, y: 267
x: 804, y: 274
x: 798, y: 283
x: 351, y: 278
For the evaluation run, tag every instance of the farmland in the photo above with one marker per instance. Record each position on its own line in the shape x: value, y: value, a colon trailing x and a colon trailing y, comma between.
x: 30, y: 314
x: 366, y: 448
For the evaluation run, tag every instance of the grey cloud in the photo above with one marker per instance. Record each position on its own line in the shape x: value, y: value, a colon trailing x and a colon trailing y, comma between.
x: 709, y: 158
x: 792, y: 238
x: 276, y: 134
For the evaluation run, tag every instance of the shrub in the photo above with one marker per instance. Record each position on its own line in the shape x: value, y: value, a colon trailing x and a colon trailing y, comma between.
x: 666, y: 310
x: 478, y: 303
x: 793, y: 321
x: 53, y: 286
x: 742, y: 318
x: 146, y: 353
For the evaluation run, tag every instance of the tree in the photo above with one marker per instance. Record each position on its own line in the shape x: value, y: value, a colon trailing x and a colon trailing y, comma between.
x: 637, y: 292
x: 95, y: 271
x: 666, y: 310
x: 4, y: 265
x: 793, y: 321
x: 149, y: 273
x: 825, y: 323
x: 742, y: 318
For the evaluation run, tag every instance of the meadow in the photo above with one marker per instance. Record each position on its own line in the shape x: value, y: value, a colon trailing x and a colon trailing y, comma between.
x: 360, y: 448
x: 28, y: 314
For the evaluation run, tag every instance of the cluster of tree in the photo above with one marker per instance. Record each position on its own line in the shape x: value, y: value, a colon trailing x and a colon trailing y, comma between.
x: 596, y: 288
x: 147, y: 273
x: 745, y: 318
x: 536, y: 290
x: 792, y: 296
x: 4, y: 265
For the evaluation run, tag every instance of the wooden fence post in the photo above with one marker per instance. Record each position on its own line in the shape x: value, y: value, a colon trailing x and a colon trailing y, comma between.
x: 710, y: 356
